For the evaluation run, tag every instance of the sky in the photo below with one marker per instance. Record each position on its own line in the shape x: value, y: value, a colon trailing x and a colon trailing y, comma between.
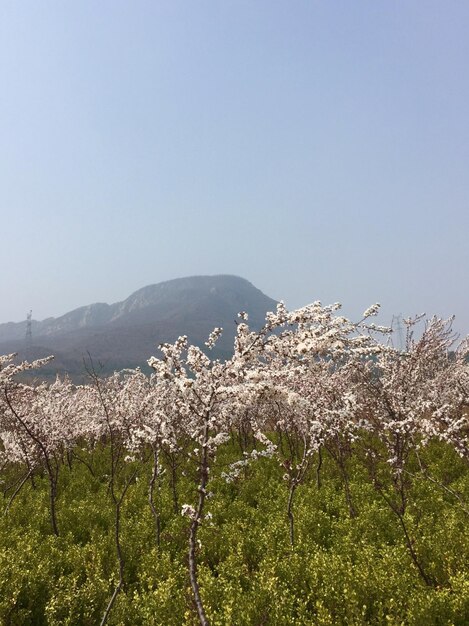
x: 318, y: 149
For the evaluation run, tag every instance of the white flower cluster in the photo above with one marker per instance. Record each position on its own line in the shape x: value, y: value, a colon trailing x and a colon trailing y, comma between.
x: 308, y: 374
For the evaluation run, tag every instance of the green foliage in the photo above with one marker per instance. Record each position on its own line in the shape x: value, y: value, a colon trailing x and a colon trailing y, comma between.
x: 341, y: 570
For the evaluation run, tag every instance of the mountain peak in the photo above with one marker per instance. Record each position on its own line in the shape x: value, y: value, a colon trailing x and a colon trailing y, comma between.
x: 125, y: 334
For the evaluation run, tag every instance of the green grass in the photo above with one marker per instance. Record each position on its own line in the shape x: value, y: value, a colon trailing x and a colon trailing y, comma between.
x: 342, y: 570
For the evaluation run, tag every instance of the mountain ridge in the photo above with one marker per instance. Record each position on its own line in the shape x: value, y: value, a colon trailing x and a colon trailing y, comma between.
x: 127, y: 333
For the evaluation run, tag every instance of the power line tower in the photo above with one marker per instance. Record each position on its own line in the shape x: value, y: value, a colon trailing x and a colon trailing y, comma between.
x: 398, y: 328
x: 29, y: 330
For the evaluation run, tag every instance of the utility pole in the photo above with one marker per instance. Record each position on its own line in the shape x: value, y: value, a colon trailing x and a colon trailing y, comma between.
x: 397, y: 327
x: 29, y: 330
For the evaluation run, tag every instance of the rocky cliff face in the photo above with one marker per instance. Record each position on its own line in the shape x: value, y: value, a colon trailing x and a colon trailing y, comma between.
x: 126, y: 334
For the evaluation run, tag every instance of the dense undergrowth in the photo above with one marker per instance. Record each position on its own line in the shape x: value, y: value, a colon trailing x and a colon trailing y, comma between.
x: 342, y: 569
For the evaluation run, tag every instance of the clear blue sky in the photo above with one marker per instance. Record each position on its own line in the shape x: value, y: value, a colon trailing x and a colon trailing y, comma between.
x: 318, y: 149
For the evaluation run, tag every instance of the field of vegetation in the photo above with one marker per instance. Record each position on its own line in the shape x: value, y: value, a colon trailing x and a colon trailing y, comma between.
x: 319, y: 476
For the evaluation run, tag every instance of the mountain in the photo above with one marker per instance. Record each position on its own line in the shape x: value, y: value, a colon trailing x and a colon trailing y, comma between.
x: 127, y: 333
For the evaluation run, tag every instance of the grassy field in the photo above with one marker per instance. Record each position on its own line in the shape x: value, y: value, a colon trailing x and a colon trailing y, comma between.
x: 342, y: 568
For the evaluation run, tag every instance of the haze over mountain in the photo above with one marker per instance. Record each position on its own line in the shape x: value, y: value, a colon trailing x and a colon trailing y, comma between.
x: 127, y: 333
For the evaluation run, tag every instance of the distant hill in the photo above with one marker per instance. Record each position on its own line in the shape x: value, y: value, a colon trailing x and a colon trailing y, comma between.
x: 127, y: 333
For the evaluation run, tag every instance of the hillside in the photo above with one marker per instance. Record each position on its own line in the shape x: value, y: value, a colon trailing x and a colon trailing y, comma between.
x: 127, y: 333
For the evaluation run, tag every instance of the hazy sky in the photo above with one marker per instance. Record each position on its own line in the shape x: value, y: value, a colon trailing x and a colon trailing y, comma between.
x: 318, y: 149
